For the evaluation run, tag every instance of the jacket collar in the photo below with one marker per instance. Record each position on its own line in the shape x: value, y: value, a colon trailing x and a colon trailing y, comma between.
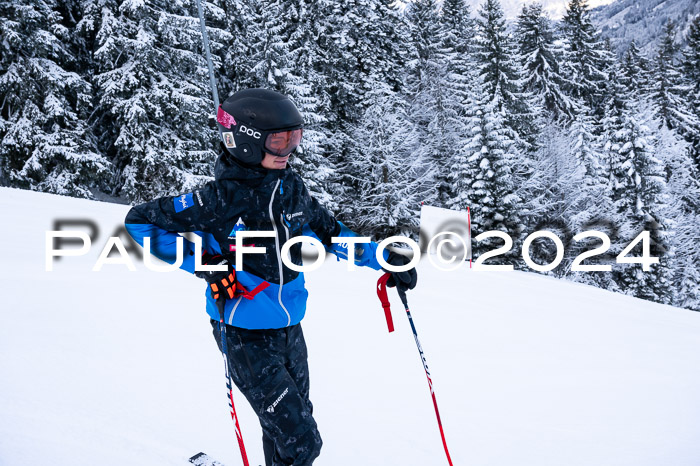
x: 229, y: 168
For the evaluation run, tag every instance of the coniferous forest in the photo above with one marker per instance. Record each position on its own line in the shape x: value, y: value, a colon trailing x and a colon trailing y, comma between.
x: 533, y: 124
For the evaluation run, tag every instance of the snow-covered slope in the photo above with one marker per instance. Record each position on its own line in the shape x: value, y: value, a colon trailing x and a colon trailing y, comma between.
x: 119, y: 367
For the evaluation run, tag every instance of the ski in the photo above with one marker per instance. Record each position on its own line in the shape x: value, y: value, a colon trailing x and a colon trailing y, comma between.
x: 202, y: 459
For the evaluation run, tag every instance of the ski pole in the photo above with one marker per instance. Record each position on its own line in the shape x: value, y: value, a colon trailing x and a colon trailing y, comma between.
x: 207, y: 52
x: 210, y: 65
x: 220, y: 304
x: 381, y: 292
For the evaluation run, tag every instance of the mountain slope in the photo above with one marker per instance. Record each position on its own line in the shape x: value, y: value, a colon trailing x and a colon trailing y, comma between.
x: 555, y: 8
x: 643, y: 21
x: 118, y: 367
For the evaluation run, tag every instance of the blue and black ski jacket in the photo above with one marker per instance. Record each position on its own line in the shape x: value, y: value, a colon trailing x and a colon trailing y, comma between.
x: 247, y: 198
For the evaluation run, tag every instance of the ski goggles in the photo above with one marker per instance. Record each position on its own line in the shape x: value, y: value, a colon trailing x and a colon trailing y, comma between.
x: 283, y: 143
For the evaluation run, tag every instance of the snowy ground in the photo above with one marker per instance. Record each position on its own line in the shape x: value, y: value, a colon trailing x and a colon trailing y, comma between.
x: 119, y: 367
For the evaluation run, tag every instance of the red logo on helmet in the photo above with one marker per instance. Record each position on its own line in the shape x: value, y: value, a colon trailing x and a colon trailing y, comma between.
x: 225, y: 119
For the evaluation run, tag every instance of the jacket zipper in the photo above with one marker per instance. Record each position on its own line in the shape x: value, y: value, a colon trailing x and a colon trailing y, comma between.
x: 233, y: 311
x: 279, y: 253
x: 286, y: 230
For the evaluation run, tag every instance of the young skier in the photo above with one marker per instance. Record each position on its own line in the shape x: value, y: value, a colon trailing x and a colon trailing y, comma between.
x: 254, y: 189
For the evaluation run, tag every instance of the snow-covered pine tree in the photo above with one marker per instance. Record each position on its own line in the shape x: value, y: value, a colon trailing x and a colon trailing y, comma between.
x: 687, y: 279
x: 640, y: 199
x: 602, y: 167
x: 260, y: 58
x: 362, y: 50
x: 588, y: 198
x: 349, y: 55
x: 684, y: 210
x: 494, y: 202
x: 691, y: 57
x: 538, y: 59
x: 585, y: 60
x: 682, y: 159
x: 669, y: 93
x: 432, y: 104
x: 458, y: 29
x: 617, y: 108
x: 506, y: 131
x: 302, y: 80
x: 153, y: 96
x: 462, y: 168
x: 459, y: 84
x: 390, y: 39
x: 457, y: 46
x: 232, y: 32
x: 691, y: 71
x: 635, y: 71
x: 499, y: 72
x: 390, y: 181
x: 45, y: 142
x: 566, y: 193
x: 360, y: 40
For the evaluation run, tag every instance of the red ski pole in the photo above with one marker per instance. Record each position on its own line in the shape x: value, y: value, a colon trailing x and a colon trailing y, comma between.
x: 220, y: 304
x: 381, y: 292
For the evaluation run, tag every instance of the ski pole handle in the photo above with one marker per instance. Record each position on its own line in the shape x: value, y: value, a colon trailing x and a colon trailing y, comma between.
x: 402, y: 295
x: 221, y: 306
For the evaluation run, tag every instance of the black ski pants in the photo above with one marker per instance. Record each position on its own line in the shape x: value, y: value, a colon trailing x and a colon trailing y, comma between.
x: 270, y: 368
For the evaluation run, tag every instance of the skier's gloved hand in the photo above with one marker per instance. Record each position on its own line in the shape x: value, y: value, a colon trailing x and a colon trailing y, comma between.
x: 406, y: 280
x: 221, y: 282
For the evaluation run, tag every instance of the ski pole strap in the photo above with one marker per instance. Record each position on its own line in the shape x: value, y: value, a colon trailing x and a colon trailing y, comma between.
x: 241, y: 291
x: 381, y: 293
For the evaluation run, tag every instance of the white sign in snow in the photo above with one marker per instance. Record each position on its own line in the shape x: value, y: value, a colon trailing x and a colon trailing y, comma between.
x: 445, y: 232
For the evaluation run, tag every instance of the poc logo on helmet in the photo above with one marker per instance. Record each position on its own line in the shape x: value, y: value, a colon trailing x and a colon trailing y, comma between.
x: 250, y: 132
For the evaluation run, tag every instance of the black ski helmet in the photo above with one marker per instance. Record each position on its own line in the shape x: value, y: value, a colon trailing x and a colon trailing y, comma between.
x: 255, y: 121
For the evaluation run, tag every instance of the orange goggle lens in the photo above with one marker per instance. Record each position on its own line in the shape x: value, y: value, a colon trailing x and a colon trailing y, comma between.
x: 283, y: 143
